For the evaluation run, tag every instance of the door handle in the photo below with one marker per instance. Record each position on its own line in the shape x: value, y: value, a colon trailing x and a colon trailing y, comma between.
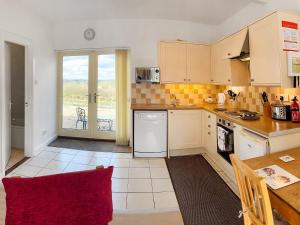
x: 95, y: 97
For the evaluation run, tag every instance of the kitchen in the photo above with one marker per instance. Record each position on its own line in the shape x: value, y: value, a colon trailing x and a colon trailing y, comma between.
x: 233, y: 96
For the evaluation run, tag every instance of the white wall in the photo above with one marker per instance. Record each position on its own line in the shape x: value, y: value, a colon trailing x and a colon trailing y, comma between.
x: 16, y: 20
x: 140, y: 36
x: 251, y: 13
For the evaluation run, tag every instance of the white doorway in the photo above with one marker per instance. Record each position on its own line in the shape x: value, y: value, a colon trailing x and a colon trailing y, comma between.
x: 15, y: 71
x: 16, y: 85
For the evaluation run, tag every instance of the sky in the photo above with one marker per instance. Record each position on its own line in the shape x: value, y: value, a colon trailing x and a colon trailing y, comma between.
x: 76, y: 67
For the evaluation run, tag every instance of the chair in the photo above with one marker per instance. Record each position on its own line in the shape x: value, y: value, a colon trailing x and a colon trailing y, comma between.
x: 254, y: 195
x: 81, y: 117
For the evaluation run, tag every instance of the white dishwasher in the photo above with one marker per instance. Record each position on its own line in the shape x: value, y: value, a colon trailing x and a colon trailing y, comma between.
x: 150, y: 133
x: 251, y: 145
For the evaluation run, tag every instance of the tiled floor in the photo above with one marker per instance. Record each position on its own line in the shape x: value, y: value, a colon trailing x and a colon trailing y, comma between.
x: 16, y: 156
x: 136, y: 183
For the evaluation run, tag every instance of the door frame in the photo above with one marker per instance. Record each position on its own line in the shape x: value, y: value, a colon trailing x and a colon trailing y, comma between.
x: 93, y: 70
x: 29, y: 94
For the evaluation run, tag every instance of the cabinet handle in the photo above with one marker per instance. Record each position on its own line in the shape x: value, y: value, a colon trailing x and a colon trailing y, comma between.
x: 228, y: 54
x: 209, y: 126
x: 189, y: 79
x: 229, y: 80
x: 208, y: 116
x: 252, y: 79
x: 212, y: 80
x: 208, y: 133
x: 171, y: 112
x: 184, y: 79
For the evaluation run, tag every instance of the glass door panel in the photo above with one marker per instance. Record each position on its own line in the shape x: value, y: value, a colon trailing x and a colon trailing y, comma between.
x: 106, y: 96
x: 75, y: 92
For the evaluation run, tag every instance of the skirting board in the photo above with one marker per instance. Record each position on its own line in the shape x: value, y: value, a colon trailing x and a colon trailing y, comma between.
x: 183, y: 152
x: 42, y: 146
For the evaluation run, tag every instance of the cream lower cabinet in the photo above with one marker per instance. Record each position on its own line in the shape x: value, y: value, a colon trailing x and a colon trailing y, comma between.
x: 184, y: 129
x: 209, y: 136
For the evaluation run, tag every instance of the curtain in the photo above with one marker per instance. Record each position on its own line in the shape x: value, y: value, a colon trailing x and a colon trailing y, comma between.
x: 122, y: 136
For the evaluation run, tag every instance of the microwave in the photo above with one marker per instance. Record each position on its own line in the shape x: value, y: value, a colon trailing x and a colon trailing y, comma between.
x: 147, y: 75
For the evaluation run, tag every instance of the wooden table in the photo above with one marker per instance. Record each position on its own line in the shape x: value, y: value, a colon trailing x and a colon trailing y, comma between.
x: 285, y: 200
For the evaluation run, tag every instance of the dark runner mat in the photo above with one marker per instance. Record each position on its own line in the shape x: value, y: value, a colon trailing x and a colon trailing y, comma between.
x: 203, y: 197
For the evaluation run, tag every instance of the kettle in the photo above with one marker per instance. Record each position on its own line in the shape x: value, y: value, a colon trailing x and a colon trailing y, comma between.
x: 221, y: 98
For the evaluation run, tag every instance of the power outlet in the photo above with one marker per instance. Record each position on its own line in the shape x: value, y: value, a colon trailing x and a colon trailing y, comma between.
x: 285, y: 97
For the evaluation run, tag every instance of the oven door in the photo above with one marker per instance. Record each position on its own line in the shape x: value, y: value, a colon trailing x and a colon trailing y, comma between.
x: 225, y: 142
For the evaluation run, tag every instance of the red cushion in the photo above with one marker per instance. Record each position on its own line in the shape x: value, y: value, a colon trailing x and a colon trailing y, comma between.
x: 79, y: 198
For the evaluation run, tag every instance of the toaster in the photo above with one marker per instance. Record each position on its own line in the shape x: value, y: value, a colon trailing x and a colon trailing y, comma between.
x: 281, y: 111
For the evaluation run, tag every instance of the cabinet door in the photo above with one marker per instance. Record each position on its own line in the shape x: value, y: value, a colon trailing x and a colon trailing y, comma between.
x: 198, y: 63
x: 233, y: 45
x: 184, y: 129
x: 220, y: 66
x: 173, y: 62
x: 265, y: 51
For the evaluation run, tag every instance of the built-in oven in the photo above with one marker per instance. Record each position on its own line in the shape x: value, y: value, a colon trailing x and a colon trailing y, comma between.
x: 225, y: 138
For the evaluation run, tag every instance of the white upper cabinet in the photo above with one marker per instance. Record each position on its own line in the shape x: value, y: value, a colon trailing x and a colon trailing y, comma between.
x: 182, y: 62
x: 198, y: 63
x: 268, y: 59
x: 225, y: 69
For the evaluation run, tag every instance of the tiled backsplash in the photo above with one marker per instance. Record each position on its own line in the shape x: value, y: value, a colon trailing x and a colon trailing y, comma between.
x: 196, y: 94
x: 161, y: 93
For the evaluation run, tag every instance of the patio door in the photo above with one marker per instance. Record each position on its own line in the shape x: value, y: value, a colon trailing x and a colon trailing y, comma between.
x: 87, y: 95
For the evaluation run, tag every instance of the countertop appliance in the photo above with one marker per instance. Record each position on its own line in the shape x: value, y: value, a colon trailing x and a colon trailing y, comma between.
x: 281, y: 111
x: 221, y: 98
x: 150, y: 133
x: 251, y: 145
x: 147, y: 75
x: 225, y: 138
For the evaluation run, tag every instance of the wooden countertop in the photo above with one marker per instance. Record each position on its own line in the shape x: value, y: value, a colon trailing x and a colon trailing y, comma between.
x: 265, y: 126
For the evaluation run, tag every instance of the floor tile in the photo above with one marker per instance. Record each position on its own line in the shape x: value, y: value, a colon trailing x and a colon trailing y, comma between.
x: 162, y: 185
x: 140, y: 201
x: 36, y: 161
x: 159, y: 173
x: 119, y: 185
x: 103, y: 154
x: 139, y: 173
x: 72, y: 167
x: 86, y: 153
x: 80, y: 159
x: 119, y: 200
x: 165, y: 200
x: 160, y: 163
x: 47, y: 155
x: 99, y: 161
x: 69, y: 151
x: 139, y: 185
x: 52, y: 149
x: 119, y: 162
x: 139, y: 163
x: 56, y: 165
x: 27, y: 170
x: 121, y: 155
x: 46, y: 172
x: 120, y: 173
x: 64, y: 157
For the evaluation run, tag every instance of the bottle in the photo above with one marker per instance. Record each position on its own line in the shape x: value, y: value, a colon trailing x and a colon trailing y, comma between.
x: 295, y: 110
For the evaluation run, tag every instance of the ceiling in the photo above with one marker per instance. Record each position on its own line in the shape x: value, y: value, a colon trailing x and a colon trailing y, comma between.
x: 211, y: 12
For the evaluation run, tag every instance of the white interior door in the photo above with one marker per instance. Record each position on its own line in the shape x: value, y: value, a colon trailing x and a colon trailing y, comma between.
x: 7, y: 105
